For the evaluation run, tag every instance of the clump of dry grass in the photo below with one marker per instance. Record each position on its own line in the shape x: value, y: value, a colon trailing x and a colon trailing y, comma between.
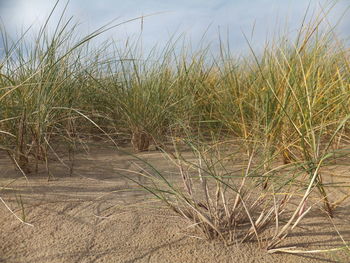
x: 218, y: 197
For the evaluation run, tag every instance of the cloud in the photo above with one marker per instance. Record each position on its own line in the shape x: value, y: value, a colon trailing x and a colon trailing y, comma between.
x: 191, y: 17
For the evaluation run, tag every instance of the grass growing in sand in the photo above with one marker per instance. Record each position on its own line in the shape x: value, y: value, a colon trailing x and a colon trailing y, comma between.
x: 287, y: 109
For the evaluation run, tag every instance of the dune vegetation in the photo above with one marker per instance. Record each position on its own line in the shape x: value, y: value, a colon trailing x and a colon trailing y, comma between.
x: 264, y: 128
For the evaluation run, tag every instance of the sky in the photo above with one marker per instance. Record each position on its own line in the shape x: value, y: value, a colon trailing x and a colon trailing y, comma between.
x: 190, y: 18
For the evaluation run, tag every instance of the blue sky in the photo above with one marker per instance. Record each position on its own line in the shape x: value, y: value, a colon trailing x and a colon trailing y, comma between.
x: 189, y: 17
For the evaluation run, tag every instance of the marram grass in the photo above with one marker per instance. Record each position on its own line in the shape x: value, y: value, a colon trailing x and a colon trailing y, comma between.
x: 286, y: 108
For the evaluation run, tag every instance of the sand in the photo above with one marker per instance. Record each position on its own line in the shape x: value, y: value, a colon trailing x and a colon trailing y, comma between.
x: 90, y: 217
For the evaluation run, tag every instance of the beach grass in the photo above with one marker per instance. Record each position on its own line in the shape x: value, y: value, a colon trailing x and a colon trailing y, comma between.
x: 285, y: 108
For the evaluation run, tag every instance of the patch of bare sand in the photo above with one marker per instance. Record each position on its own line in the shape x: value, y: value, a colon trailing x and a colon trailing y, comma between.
x: 90, y: 218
